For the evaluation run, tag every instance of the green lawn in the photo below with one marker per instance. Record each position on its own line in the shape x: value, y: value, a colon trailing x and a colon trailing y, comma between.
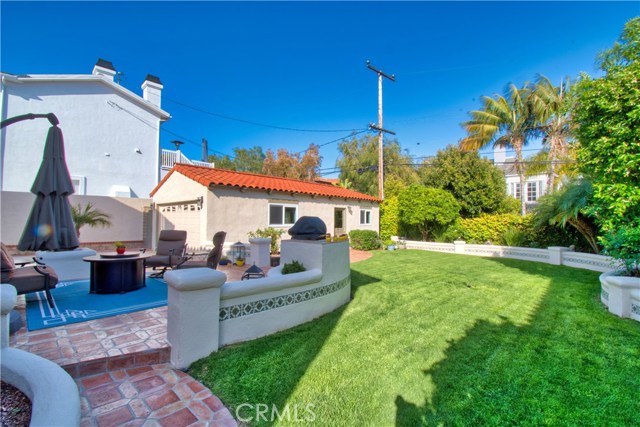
x: 436, y: 339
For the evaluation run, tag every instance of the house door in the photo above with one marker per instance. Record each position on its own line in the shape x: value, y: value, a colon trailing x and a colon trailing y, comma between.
x: 338, y: 222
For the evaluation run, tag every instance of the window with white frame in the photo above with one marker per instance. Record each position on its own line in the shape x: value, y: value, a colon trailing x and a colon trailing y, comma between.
x: 532, y: 191
x: 515, y: 190
x: 281, y: 214
x: 79, y: 184
x: 365, y: 216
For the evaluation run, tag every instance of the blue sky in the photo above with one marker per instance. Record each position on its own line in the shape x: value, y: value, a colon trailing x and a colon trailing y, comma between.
x: 302, y: 64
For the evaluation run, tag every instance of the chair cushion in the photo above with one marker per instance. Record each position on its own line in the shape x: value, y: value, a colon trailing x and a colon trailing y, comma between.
x: 27, y: 279
x: 171, y: 240
x: 7, y: 260
x: 158, y: 261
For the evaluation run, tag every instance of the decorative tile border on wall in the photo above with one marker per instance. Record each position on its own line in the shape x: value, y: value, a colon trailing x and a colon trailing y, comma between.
x: 258, y: 306
x: 605, y: 294
x: 584, y: 261
x: 635, y: 309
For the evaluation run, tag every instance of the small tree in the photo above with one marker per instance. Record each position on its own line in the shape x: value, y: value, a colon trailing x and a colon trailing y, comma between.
x: 431, y: 210
x: 89, y: 216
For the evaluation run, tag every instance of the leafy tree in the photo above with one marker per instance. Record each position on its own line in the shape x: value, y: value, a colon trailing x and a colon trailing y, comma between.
x: 551, y: 106
x: 89, y: 216
x: 243, y: 160
x: 478, y: 186
x: 293, y: 165
x: 608, y: 128
x: 358, y: 163
x: 431, y: 210
x: 503, y: 121
x: 569, y: 205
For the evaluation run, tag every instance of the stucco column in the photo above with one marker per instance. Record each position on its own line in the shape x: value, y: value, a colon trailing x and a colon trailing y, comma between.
x: 458, y: 246
x: 8, y: 298
x: 261, y: 251
x: 555, y: 254
x: 193, y: 314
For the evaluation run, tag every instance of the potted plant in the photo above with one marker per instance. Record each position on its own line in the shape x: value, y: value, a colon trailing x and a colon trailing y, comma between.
x: 390, y: 245
x: 120, y: 247
x: 620, y: 287
x: 239, y: 261
x: 224, y: 261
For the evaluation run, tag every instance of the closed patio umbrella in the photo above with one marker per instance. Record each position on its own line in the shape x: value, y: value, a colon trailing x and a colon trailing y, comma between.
x: 50, y: 224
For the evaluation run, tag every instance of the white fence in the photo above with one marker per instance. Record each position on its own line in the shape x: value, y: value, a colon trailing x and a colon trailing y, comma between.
x: 556, y: 255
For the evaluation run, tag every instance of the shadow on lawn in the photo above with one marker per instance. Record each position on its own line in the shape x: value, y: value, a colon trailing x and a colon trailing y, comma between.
x: 572, y: 363
x: 279, y: 360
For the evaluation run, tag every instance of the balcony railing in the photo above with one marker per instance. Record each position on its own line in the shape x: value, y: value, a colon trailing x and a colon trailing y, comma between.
x: 170, y: 158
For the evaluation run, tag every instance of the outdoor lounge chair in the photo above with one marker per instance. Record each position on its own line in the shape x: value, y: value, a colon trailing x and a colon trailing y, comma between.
x: 216, y: 253
x: 30, y: 278
x: 170, y: 252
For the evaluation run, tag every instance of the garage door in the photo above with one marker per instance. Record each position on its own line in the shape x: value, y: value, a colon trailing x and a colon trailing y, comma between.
x: 184, y: 216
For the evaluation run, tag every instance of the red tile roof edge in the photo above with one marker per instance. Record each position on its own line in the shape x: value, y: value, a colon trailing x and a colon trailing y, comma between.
x: 221, y: 177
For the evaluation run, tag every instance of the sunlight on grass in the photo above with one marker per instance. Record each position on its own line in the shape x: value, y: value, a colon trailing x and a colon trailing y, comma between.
x: 437, y: 338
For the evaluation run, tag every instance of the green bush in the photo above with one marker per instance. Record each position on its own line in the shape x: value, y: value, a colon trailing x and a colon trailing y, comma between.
x: 364, y: 240
x: 624, y: 244
x: 389, y: 218
x: 489, y: 228
x: 293, y: 267
x: 274, y: 233
x: 514, y: 237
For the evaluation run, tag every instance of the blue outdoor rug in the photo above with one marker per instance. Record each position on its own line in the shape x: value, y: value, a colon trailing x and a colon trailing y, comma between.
x: 74, y: 303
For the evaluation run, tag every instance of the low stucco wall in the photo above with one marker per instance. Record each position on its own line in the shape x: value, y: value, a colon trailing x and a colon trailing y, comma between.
x: 245, y: 310
x: 127, y: 217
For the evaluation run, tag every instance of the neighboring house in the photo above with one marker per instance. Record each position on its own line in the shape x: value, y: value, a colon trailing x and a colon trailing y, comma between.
x: 203, y: 201
x: 535, y: 185
x: 111, y: 135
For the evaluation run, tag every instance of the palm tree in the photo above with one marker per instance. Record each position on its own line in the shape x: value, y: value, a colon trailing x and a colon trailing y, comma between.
x: 568, y: 206
x: 551, y: 105
x: 89, y: 216
x: 504, y: 121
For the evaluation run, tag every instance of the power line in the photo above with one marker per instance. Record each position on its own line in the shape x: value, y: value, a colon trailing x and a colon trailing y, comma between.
x: 250, y: 122
x: 336, y: 140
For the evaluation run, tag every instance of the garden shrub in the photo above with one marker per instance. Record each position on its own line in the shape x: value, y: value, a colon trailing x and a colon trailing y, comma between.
x: 364, y: 240
x: 293, y: 267
x: 489, y: 228
x: 274, y: 233
x: 514, y: 237
x: 389, y: 218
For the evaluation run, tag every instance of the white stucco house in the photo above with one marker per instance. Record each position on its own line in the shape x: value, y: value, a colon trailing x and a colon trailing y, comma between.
x: 203, y: 201
x: 111, y: 135
x: 535, y: 185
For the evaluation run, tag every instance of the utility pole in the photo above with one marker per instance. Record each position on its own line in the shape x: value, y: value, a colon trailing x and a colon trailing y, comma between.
x: 380, y: 129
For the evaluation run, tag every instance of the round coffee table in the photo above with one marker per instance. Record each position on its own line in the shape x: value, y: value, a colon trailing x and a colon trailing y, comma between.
x: 112, y: 273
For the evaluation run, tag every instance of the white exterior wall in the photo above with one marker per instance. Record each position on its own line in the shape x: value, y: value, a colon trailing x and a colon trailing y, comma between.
x: 240, y: 212
x: 540, y: 180
x: 91, y: 128
x: 174, y: 192
x: 126, y: 217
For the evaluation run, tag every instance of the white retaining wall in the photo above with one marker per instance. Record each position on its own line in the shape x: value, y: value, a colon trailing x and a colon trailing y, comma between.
x: 245, y: 310
x: 554, y: 255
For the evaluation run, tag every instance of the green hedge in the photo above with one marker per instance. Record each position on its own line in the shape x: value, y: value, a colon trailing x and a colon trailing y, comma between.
x: 513, y: 229
x: 364, y: 240
x: 389, y: 218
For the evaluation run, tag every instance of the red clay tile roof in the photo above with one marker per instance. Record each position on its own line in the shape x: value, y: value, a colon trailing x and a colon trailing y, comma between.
x: 212, y: 176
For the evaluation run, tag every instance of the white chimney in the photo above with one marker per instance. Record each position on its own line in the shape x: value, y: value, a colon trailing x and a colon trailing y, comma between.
x: 152, y: 90
x: 499, y: 155
x: 104, y: 68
